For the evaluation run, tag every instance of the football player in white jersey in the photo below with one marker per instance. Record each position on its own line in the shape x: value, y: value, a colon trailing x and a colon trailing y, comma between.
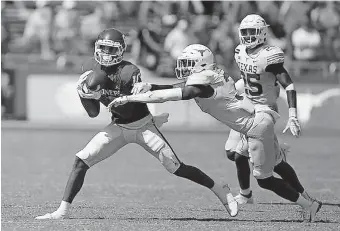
x: 262, y: 71
x: 216, y: 95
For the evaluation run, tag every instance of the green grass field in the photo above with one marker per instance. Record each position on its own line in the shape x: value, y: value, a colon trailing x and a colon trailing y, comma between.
x: 132, y: 191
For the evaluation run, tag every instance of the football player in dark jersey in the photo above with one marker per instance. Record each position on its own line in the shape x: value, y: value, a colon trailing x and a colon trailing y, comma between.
x: 108, y: 77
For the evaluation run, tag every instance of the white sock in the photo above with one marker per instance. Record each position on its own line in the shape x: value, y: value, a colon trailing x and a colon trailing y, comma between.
x: 221, y: 192
x: 303, y: 202
x: 305, y: 195
x: 64, y: 207
x: 245, y: 191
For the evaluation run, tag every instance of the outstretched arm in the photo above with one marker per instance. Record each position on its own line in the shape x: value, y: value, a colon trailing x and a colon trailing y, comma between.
x: 161, y: 87
x: 157, y: 96
x: 174, y: 94
x: 143, y: 87
x: 161, y: 96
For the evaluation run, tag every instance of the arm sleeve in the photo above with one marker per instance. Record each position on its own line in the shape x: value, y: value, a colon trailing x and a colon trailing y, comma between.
x: 280, y: 73
x: 155, y: 87
x: 193, y: 91
x: 276, y: 69
x: 91, y: 106
x: 161, y: 87
x: 285, y: 80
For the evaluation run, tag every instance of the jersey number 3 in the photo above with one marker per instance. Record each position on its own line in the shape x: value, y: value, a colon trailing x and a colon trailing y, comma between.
x: 251, y: 86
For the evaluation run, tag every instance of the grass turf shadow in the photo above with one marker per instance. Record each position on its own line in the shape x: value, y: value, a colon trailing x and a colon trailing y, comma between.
x: 228, y: 219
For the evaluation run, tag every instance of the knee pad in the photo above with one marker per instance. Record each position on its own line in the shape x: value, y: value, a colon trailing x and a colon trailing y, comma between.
x: 155, y: 142
x: 230, y: 155
x: 265, y: 183
x: 93, y: 147
x: 169, y: 160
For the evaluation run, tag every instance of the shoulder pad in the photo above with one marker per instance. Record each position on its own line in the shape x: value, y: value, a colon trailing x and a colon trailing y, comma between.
x: 237, y: 49
x: 201, y: 78
x: 272, y: 50
x: 273, y: 55
x: 206, y: 77
x: 130, y: 71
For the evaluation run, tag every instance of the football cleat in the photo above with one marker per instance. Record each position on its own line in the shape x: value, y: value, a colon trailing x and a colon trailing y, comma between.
x: 245, y: 199
x: 51, y: 216
x: 231, y: 205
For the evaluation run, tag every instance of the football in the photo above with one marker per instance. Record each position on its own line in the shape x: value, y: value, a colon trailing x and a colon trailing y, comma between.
x: 94, y: 82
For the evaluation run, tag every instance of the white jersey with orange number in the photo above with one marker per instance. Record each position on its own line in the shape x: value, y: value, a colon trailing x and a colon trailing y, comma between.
x: 225, y: 105
x: 261, y: 87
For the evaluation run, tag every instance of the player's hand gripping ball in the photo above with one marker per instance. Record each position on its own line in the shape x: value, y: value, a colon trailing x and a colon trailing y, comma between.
x: 89, y: 85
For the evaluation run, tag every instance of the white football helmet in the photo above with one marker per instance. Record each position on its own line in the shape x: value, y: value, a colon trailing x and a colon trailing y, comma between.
x: 253, y: 31
x: 193, y: 59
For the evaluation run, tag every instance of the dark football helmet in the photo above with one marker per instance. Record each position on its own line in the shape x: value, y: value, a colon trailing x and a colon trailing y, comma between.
x: 109, y: 47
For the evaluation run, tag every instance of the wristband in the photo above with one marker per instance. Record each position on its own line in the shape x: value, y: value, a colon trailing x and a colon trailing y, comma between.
x: 292, y: 112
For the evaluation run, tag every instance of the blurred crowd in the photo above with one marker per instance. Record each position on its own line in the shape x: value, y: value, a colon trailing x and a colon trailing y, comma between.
x: 57, y: 29
x: 159, y: 30
x: 306, y: 31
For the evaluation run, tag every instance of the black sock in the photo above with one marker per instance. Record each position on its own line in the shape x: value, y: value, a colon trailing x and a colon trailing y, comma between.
x: 243, y: 171
x: 288, y: 174
x: 280, y: 187
x: 248, y: 195
x: 194, y: 174
x: 75, y: 180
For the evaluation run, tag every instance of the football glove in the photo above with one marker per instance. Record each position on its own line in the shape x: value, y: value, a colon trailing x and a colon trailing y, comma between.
x: 293, y: 123
x: 117, y: 102
x: 83, y: 91
x: 140, y: 88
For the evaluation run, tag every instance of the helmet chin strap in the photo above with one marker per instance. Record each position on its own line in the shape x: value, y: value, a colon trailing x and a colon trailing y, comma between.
x: 251, y: 45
